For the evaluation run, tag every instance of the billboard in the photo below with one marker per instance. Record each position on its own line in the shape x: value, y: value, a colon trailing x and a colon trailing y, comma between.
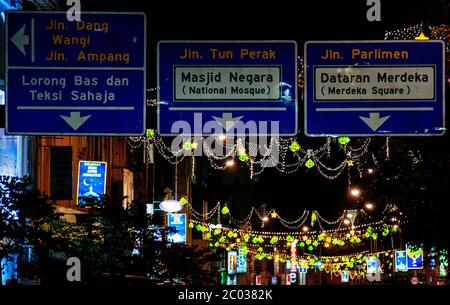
x: 241, y: 262
x: 400, y: 261
x: 177, y: 221
x: 91, y: 181
x: 414, y: 256
x: 232, y: 262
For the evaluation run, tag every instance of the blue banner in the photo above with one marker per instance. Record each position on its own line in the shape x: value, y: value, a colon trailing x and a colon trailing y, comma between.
x: 414, y: 254
x: 178, y: 222
x: 91, y: 181
x: 400, y: 261
x: 241, y: 262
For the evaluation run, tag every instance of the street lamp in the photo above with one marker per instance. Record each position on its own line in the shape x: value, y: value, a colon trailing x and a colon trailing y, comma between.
x: 222, y: 137
x: 305, y: 229
x: 229, y: 163
x: 369, y: 206
x: 355, y: 192
x: 347, y: 221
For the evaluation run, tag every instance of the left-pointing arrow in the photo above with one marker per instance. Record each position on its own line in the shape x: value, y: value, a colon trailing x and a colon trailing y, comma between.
x: 75, y: 120
x: 20, y: 40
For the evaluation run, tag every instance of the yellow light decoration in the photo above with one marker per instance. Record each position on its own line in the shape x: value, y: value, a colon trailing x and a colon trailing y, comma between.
x: 421, y: 37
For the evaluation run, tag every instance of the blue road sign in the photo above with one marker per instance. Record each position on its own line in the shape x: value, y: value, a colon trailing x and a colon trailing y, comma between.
x: 91, y: 180
x: 75, y: 78
x: 374, y: 88
x: 239, y: 87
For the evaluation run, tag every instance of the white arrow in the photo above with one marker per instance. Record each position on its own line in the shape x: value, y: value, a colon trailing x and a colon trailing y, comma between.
x: 227, y: 121
x: 374, y: 121
x: 75, y: 120
x: 20, y: 40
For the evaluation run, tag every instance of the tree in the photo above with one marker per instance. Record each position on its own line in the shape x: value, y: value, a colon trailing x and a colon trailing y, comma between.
x: 24, y: 215
x: 126, y: 241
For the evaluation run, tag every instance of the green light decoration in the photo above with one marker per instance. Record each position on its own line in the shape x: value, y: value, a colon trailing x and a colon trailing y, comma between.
x: 310, y: 163
x: 385, y: 232
x: 282, y: 260
x: 199, y: 227
x: 260, y: 239
x: 217, y: 231
x: 315, y: 243
x: 260, y: 249
x: 183, y: 201
x: 246, y: 237
x: 310, y: 248
x: 208, y: 235
x: 191, y: 225
x: 294, y: 147
x: 289, y: 238
x: 374, y: 236
x: 225, y: 210
x: 230, y: 234
x: 320, y: 237
x: 187, y: 145
x: 313, y: 218
x: 216, y: 244
x: 222, y: 239
x: 150, y: 133
x: 273, y: 240
x: 302, y: 244
x: 308, y: 242
x: 243, y: 158
x: 344, y: 140
x: 255, y: 240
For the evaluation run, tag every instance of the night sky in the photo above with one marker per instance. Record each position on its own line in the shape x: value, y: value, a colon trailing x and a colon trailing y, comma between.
x: 275, y: 20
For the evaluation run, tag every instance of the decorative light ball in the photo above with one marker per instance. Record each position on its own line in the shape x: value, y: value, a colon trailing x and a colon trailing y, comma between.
x: 187, y: 145
x: 294, y: 147
x: 183, y: 200
x: 310, y: 163
x: 344, y: 140
x: 243, y: 158
x: 225, y: 210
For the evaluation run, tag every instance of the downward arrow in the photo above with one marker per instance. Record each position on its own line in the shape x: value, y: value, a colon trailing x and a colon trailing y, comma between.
x: 227, y: 121
x: 20, y: 40
x: 75, y: 120
x: 374, y: 121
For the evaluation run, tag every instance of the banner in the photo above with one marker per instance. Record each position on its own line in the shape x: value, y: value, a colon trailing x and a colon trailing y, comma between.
x: 400, y: 261
x: 91, y: 181
x: 232, y: 262
x: 414, y: 255
x: 177, y: 221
